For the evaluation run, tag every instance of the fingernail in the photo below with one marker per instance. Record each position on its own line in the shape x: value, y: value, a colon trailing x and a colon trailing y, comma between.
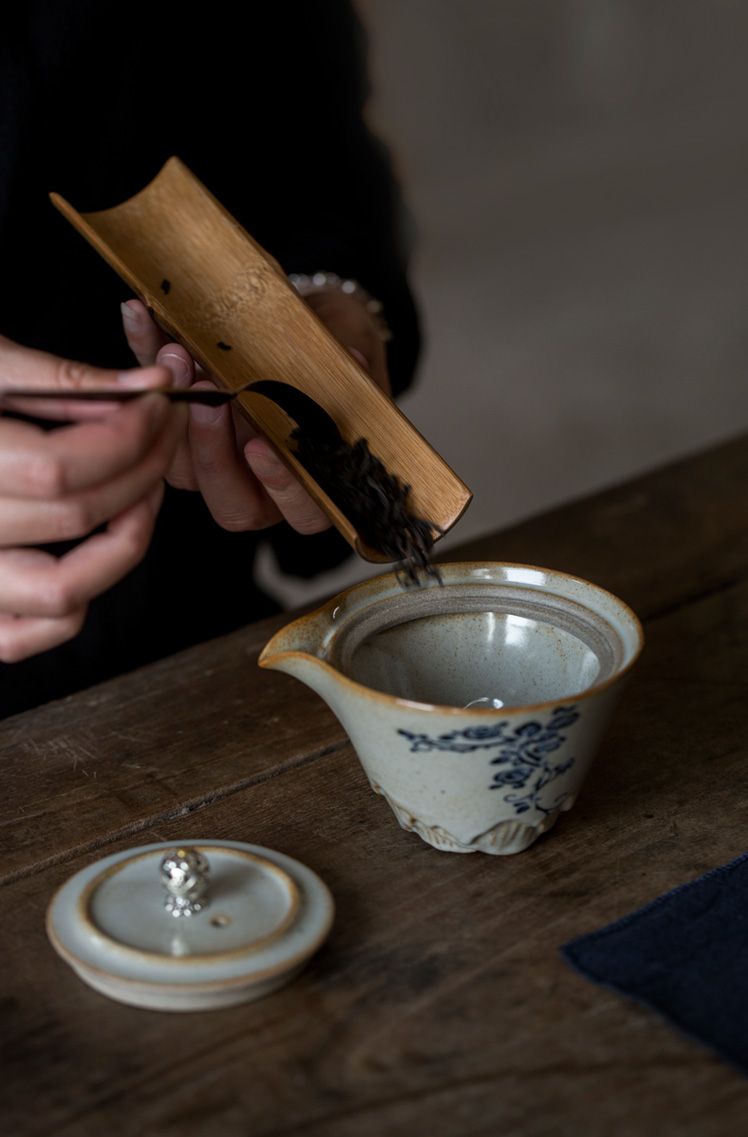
x: 130, y: 315
x: 144, y: 377
x: 179, y: 368
x: 359, y: 355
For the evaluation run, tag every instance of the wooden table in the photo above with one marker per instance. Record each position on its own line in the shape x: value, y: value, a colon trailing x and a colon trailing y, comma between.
x: 440, y: 1004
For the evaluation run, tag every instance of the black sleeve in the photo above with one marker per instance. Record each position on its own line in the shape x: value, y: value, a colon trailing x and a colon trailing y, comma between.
x: 264, y: 102
x: 307, y: 177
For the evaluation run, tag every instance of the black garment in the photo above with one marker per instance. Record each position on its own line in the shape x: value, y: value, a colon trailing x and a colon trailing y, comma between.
x: 264, y: 103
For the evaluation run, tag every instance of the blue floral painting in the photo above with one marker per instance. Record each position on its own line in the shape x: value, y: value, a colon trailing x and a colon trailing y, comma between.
x: 523, y: 756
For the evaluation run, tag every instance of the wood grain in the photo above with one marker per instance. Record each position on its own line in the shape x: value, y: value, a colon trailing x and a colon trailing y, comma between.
x: 198, y: 725
x: 233, y: 309
x: 440, y: 1003
x: 157, y: 743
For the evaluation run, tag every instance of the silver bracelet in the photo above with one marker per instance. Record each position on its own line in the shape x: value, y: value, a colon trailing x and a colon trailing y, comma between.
x: 330, y: 282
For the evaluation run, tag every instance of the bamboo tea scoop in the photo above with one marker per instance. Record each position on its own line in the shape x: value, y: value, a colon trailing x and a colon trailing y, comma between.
x: 212, y: 288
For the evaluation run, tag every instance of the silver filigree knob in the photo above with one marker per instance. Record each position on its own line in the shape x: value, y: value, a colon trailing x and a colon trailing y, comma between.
x: 184, y: 875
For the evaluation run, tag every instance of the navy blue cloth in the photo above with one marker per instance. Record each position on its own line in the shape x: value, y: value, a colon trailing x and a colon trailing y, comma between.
x: 684, y: 956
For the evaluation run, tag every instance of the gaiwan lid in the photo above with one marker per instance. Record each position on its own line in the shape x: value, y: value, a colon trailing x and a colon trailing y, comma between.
x: 190, y: 927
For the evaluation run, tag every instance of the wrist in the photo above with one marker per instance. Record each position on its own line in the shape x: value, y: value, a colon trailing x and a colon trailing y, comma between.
x: 321, y: 282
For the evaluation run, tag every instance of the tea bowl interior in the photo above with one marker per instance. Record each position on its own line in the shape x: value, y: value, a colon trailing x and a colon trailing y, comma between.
x: 510, y: 636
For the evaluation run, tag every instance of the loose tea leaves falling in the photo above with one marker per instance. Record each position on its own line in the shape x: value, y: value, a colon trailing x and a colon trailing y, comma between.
x: 374, y: 500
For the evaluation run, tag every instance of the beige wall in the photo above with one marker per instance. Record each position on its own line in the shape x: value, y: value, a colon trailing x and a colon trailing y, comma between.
x: 578, y: 172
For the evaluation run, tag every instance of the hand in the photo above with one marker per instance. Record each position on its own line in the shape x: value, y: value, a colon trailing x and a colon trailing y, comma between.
x: 239, y: 472
x: 104, y: 469
x: 354, y: 328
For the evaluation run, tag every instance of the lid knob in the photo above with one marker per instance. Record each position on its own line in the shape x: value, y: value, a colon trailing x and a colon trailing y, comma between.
x: 184, y: 875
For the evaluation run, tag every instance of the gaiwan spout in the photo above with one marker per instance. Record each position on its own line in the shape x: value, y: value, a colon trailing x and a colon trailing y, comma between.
x: 299, y: 650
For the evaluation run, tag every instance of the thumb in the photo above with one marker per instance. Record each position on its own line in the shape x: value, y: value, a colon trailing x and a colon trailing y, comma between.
x: 26, y: 367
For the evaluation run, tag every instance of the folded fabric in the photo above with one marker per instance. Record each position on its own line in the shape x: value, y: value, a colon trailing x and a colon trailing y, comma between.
x: 684, y: 955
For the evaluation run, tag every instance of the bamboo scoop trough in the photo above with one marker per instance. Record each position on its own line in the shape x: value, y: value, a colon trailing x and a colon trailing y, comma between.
x: 211, y: 287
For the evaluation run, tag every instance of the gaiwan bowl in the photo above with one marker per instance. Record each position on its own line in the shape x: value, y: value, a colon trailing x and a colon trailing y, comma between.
x: 475, y: 706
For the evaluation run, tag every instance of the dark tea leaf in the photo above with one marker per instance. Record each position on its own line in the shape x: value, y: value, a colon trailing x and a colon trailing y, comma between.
x: 375, y: 501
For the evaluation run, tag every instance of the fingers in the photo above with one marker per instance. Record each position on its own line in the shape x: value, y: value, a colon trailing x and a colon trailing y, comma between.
x: 150, y: 345
x: 105, y: 469
x: 64, y: 516
x: 181, y: 368
x: 21, y: 636
x: 43, y: 599
x: 240, y: 475
x: 179, y: 363
x: 143, y: 335
x: 246, y: 494
x: 24, y: 367
x: 290, y: 497
x: 35, y: 463
x: 353, y: 327
x: 250, y: 490
x: 232, y: 493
